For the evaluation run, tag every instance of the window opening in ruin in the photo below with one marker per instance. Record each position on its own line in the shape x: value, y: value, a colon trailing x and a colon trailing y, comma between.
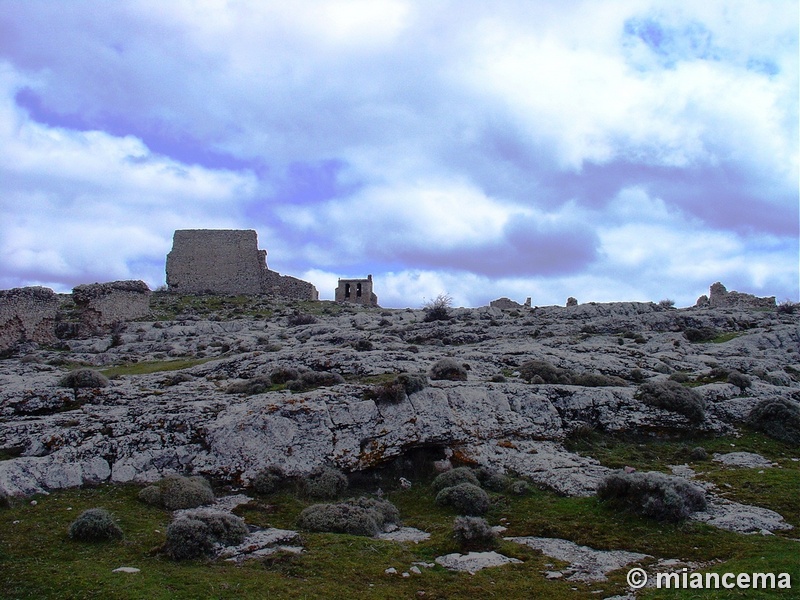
x: 358, y: 290
x: 346, y: 290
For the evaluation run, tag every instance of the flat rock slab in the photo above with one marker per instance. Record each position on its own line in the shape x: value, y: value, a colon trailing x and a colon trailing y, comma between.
x: 263, y: 543
x: 474, y: 561
x: 586, y: 564
x: 404, y: 534
x: 126, y: 570
x: 743, y: 459
x: 740, y: 518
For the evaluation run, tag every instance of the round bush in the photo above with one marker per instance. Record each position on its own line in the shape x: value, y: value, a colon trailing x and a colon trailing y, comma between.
x: 672, y: 396
x: 466, y: 498
x: 250, y: 387
x: 454, y: 477
x: 268, y: 480
x: 326, y: 483
x: 473, y: 533
x: 283, y: 375
x: 779, y: 418
x: 94, y: 525
x: 312, y: 379
x: 338, y: 518
x: 698, y: 454
x: 5, y: 500
x: 389, y: 392
x: 519, y: 487
x: 652, y: 494
x: 176, y: 492
x: 491, y: 479
x: 539, y: 371
x: 598, y: 380
x: 412, y: 382
x: 194, y: 535
x: 448, y: 369
x: 82, y: 379
x: 740, y: 380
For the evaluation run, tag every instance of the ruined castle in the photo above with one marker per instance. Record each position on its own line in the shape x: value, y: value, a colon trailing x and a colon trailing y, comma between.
x: 227, y: 261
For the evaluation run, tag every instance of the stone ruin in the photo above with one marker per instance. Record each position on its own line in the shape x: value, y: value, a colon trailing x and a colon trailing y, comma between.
x: 227, y: 261
x: 506, y: 303
x: 356, y: 291
x: 720, y: 297
x: 37, y: 314
x: 27, y: 315
x: 101, y: 305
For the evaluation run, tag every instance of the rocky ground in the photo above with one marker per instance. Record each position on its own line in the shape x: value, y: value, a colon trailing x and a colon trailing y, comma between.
x: 185, y: 420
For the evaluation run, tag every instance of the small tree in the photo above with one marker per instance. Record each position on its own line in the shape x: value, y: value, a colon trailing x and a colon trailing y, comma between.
x: 438, y: 309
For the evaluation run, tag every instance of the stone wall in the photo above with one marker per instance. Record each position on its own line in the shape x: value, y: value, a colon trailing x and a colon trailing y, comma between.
x: 102, y: 304
x: 227, y: 261
x: 720, y: 297
x: 27, y: 315
x: 356, y: 291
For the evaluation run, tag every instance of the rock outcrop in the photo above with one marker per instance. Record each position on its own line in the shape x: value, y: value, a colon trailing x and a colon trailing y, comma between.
x: 27, y: 315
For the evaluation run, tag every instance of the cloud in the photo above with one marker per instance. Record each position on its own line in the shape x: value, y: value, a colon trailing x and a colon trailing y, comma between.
x: 460, y: 140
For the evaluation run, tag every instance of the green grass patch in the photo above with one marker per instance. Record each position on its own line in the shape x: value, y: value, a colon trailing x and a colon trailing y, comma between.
x: 153, y: 366
x: 724, y: 337
x: 38, y: 560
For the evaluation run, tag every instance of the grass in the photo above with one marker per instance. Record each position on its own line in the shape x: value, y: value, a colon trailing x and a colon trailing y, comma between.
x: 725, y: 337
x: 37, y: 560
x: 152, y: 366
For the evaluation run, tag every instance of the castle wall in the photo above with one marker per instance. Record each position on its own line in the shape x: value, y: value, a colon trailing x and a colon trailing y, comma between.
x: 227, y: 261
x: 27, y: 314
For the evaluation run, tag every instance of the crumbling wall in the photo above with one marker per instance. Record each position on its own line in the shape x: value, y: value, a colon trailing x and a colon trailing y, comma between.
x: 506, y: 303
x: 227, y: 261
x: 720, y: 297
x: 102, y: 304
x: 27, y: 315
x: 356, y: 291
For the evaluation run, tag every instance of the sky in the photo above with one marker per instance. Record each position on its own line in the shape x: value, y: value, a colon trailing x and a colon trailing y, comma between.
x: 608, y: 150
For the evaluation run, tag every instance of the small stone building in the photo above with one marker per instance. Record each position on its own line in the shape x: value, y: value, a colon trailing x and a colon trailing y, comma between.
x: 227, y: 261
x: 356, y: 291
x: 722, y: 298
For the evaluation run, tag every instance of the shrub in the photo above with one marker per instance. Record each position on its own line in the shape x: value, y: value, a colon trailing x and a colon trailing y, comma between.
x: 268, y: 480
x: 413, y: 382
x: 299, y: 318
x: 175, y: 492
x: 491, y: 479
x: 454, y: 477
x: 698, y: 454
x: 652, y: 494
x: 250, y: 387
x: 364, y: 345
x: 361, y: 516
x: 637, y: 375
x: 519, y: 487
x: 94, y: 525
x: 598, y: 380
x: 83, y: 378
x: 448, y: 369
x: 740, y: 380
x: 787, y: 307
x: 325, y: 482
x: 312, y: 379
x: 679, y: 376
x: 338, y: 518
x: 5, y: 500
x: 539, y: 371
x: 702, y: 334
x: 283, y: 375
x: 466, y: 498
x: 438, y: 309
x: 666, y: 303
x: 194, y: 535
x: 473, y: 533
x: 779, y: 418
x: 672, y: 396
x: 390, y: 392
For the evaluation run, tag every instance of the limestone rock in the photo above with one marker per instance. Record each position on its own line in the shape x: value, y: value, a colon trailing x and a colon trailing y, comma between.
x: 474, y: 561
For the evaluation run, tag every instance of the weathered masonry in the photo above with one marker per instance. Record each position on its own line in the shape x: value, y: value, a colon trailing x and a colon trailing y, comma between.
x: 227, y: 261
x: 357, y: 291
